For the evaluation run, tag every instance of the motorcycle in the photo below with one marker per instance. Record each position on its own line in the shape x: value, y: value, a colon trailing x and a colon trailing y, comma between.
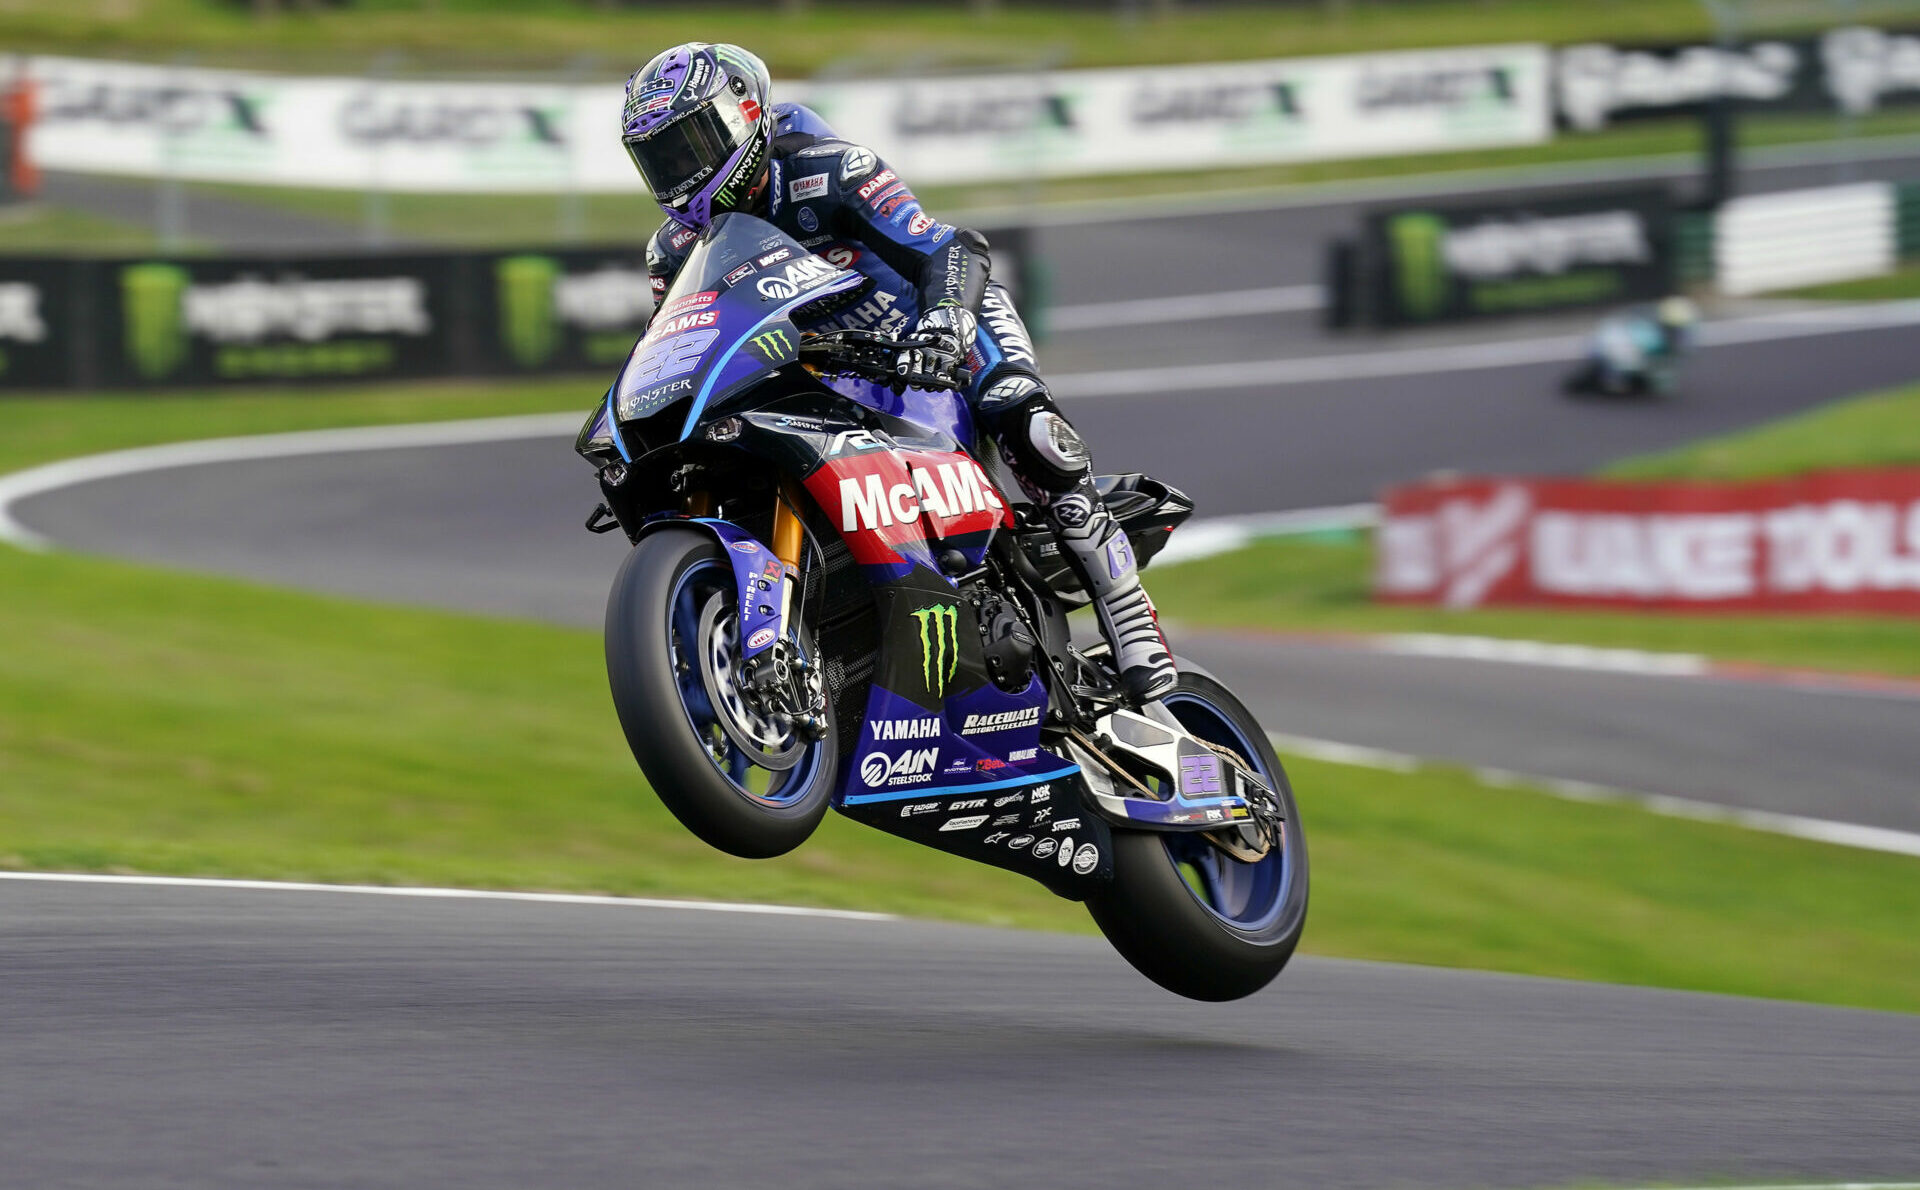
x: 830, y: 602
x: 1630, y: 355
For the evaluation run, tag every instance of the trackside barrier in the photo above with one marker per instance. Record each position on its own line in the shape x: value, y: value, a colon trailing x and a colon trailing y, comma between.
x: 143, y: 322
x: 1806, y: 237
x: 1838, y: 541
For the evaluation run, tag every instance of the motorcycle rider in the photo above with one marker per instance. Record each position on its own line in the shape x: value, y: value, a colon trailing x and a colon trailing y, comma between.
x: 701, y: 128
x: 1639, y: 350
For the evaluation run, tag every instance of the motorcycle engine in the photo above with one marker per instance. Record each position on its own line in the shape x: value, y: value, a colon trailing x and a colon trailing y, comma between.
x: 1008, y: 642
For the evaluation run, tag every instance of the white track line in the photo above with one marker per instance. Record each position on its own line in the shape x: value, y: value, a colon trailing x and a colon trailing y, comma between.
x: 1249, y: 374
x: 1821, y: 830
x: 1533, y: 652
x: 1193, y: 307
x: 1222, y: 535
x: 64, y: 474
x: 1461, y: 357
x: 458, y: 894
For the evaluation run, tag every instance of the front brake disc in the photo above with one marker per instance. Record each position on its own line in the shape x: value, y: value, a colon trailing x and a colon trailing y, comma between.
x: 766, y: 743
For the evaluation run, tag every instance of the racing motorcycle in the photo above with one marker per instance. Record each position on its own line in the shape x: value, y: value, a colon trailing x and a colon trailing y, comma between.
x: 831, y: 602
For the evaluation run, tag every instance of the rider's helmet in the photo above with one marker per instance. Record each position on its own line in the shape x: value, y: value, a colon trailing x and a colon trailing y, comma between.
x: 1678, y: 314
x: 697, y: 124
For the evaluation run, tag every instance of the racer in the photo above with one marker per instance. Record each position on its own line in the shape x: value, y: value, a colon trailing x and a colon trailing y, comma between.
x: 1639, y: 351
x: 701, y: 127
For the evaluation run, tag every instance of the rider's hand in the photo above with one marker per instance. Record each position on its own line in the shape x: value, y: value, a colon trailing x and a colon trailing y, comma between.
x: 940, y: 359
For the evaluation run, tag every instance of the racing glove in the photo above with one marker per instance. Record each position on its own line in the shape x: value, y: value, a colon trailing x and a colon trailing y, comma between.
x: 940, y: 360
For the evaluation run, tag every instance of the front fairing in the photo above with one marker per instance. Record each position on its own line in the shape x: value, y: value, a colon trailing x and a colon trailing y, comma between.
x: 724, y: 325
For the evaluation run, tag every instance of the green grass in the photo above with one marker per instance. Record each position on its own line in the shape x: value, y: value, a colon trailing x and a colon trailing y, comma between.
x: 45, y: 227
x: 159, y: 722
x: 1877, y: 430
x: 1324, y: 584
x: 547, y: 33
x: 1903, y: 284
x: 39, y: 429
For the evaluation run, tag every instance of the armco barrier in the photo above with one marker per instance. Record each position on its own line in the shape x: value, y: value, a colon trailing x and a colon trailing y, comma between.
x: 206, y: 321
x: 1806, y: 237
x: 1829, y: 542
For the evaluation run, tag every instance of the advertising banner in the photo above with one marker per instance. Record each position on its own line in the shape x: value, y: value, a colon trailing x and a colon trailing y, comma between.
x: 543, y: 310
x: 1855, y: 69
x: 192, y: 321
x: 505, y: 137
x: 36, y: 328
x: 1439, y: 263
x: 1185, y: 117
x: 1829, y: 542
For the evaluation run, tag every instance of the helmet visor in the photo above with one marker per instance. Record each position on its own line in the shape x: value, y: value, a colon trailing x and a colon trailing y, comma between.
x: 676, y: 159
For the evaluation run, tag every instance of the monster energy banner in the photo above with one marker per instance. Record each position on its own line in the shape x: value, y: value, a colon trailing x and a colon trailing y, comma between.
x: 241, y: 320
x: 563, y: 310
x: 35, y: 323
x: 1439, y: 263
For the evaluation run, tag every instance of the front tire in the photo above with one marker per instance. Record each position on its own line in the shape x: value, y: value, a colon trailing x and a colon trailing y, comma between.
x: 1186, y: 915
x: 660, y: 626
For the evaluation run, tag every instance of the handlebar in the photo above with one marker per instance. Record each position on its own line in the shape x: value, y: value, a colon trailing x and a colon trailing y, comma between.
x: 867, y: 354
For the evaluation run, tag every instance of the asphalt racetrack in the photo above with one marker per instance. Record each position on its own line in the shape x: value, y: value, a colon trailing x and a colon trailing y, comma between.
x: 199, y: 1039
x: 212, y: 1038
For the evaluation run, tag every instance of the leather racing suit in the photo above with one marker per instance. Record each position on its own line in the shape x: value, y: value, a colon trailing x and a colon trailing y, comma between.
x: 843, y: 203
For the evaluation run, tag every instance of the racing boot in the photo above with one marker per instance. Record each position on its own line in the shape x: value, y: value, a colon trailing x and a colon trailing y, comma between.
x: 1097, y: 549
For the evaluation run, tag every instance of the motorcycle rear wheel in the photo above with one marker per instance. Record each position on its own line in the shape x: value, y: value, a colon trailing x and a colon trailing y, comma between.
x: 666, y: 648
x: 1186, y: 915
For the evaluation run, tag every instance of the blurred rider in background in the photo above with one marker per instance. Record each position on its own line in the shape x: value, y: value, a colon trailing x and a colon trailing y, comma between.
x: 1638, y: 351
x: 702, y: 129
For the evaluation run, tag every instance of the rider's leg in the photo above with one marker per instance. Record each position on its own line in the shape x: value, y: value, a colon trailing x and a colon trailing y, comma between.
x: 1052, y: 464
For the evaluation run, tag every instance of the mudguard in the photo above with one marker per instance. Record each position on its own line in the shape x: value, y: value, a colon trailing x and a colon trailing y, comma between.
x: 758, y: 576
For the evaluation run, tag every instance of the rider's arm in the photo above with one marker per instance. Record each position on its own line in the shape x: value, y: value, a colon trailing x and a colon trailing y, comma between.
x: 949, y: 265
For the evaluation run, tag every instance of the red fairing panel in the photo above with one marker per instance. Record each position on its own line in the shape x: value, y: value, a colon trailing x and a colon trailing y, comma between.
x: 883, y: 499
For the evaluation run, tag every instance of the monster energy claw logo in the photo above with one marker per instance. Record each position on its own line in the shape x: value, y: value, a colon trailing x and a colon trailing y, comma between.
x: 156, y: 331
x: 772, y: 346
x: 1420, y: 263
x: 939, y: 646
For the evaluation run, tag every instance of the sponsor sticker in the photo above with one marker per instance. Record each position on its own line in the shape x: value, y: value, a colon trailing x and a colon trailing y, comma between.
x: 913, y: 767
x: 966, y: 823
x: 692, y: 301
x: 906, y: 729
x: 1022, y: 754
x: 1066, y: 851
x: 774, y: 257
x: 876, y: 184
x: 908, y: 811
x: 807, y: 220
x: 1065, y: 824
x: 972, y: 803
x: 740, y: 274
x: 1020, y: 842
x: 1199, y: 775
x: 1044, y: 848
x: 1008, y: 800
x: 1086, y: 859
x: 760, y: 639
x: 1001, y: 721
x: 920, y: 224
x: 1007, y: 820
x: 993, y: 838
x: 802, y: 189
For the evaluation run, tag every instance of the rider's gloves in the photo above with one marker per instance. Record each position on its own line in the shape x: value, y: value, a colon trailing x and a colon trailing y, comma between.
x: 939, y: 361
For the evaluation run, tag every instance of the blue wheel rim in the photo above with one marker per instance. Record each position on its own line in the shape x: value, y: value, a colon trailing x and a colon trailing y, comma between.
x: 783, y: 788
x: 1248, y: 897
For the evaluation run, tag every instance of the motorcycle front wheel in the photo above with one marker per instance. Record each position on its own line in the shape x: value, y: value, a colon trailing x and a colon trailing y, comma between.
x: 742, y: 782
x: 1188, y: 916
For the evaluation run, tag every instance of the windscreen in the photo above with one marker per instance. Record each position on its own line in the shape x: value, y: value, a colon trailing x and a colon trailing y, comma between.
x: 726, y: 319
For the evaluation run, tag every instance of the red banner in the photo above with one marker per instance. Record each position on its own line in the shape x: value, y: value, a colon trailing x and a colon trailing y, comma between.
x: 1834, y: 541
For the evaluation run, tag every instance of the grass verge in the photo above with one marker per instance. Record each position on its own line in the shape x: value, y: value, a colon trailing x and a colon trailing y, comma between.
x: 1324, y: 583
x: 1902, y: 284
x: 813, y: 36
x: 169, y: 723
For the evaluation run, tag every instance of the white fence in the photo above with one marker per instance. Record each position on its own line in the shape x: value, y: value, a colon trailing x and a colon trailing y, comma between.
x: 1806, y: 237
x: 359, y: 133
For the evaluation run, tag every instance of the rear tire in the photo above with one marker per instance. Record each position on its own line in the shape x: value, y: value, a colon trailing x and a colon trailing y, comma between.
x: 654, y: 683
x: 1229, y: 938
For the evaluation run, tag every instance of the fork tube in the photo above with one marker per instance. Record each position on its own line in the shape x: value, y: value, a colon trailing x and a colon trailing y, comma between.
x: 789, y: 533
